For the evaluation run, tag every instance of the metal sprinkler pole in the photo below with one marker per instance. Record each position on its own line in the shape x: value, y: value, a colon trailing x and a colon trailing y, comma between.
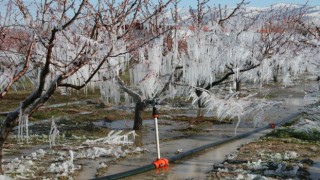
x: 157, y: 136
x: 155, y: 116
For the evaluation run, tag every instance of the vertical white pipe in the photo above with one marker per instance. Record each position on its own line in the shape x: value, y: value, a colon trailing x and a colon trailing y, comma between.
x: 157, y: 136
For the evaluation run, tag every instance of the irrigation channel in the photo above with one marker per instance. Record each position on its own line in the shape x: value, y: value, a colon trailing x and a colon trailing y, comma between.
x: 192, y: 157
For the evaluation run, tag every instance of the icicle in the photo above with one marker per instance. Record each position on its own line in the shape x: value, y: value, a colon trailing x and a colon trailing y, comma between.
x: 26, y: 118
x: 230, y: 88
x: 237, y: 125
x: 54, y: 132
x: 127, y: 99
x: 23, y: 129
x: 71, y: 156
x: 20, y: 123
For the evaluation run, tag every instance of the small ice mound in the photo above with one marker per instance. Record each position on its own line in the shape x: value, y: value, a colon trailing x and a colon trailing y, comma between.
x: 253, y: 177
x: 65, y: 168
x: 102, y: 165
x: 232, y: 155
x: 255, y: 165
x: 96, y: 152
x: 290, y: 155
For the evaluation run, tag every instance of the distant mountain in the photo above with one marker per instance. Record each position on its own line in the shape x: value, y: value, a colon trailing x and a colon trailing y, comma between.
x: 312, y: 13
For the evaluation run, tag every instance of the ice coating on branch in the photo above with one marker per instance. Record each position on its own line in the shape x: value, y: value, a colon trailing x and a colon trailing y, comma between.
x: 153, y: 68
x: 231, y: 107
x: 10, y: 65
x: 80, y: 56
x: 199, y: 62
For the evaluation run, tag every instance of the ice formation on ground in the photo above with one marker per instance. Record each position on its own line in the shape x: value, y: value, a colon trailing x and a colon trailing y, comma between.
x: 117, y: 144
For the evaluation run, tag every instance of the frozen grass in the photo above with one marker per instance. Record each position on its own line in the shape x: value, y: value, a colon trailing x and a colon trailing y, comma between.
x: 63, y: 162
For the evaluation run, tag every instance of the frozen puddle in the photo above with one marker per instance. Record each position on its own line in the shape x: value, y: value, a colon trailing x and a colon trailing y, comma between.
x: 298, y: 102
x: 314, y: 170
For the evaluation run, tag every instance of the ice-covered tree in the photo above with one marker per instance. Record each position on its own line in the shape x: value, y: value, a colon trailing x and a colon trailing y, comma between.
x: 248, y: 45
x: 74, y: 44
x: 151, y: 78
x: 255, y: 46
x: 311, y: 30
x: 151, y: 73
x: 210, y: 46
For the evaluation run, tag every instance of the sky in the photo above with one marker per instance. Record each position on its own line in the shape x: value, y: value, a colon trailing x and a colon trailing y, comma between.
x: 229, y: 3
x: 254, y: 3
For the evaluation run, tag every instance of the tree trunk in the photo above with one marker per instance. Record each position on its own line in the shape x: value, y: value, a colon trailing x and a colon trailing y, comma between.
x: 138, y: 141
x: 7, y: 126
x: 30, y: 104
x: 199, y: 93
x: 238, y: 85
x: 275, y: 78
x: 140, y: 106
x: 275, y: 74
x: 200, y: 104
x: 200, y: 112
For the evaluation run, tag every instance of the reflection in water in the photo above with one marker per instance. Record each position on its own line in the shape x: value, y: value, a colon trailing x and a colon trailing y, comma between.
x: 119, y: 124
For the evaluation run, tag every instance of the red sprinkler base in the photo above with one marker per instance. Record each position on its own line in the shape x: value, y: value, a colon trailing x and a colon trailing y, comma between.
x: 159, y: 163
x: 272, y: 125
